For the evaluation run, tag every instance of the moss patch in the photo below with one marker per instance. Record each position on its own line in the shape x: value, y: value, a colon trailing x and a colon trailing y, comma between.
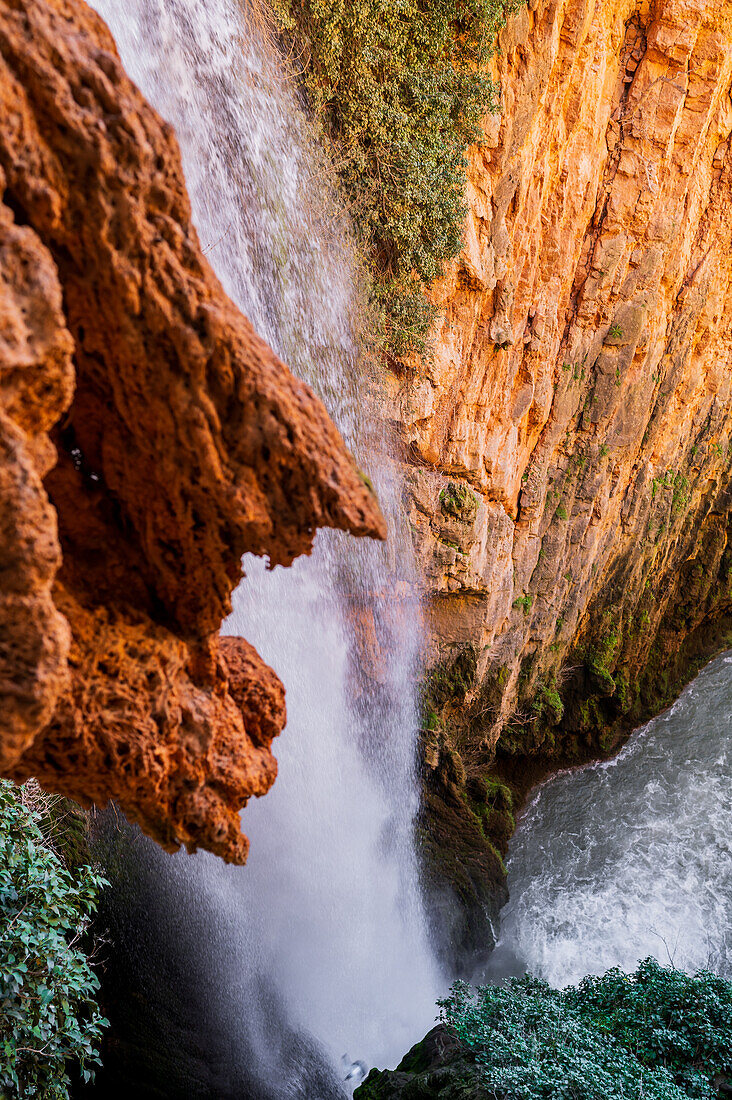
x: 458, y: 501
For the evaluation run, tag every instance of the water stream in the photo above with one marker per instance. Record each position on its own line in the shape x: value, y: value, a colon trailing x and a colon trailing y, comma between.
x: 633, y: 857
x: 322, y: 933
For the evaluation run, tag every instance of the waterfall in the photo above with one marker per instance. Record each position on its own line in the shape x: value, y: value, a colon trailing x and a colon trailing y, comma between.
x: 325, y: 922
x: 632, y: 857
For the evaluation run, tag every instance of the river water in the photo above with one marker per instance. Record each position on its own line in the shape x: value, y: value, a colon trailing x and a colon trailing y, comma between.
x: 632, y: 857
x: 325, y: 922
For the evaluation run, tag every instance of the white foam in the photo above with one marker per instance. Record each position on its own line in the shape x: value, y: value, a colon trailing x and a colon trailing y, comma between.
x: 632, y: 857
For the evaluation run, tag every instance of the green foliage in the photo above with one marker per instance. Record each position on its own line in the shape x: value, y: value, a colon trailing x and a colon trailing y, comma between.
x: 458, y: 501
x: 400, y: 87
x: 658, y: 1034
x: 666, y: 481
x: 497, y: 795
x: 680, y: 498
x: 562, y: 512
x: 450, y: 681
x: 547, y: 702
x: 615, y: 331
x: 525, y: 602
x: 48, y: 1014
x: 601, y: 656
x: 430, y: 721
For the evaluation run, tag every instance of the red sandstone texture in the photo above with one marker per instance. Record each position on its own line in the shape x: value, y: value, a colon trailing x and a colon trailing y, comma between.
x: 148, y: 438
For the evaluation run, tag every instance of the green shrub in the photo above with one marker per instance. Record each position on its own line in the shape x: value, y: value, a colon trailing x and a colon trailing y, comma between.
x: 49, y: 1018
x: 451, y: 680
x: 658, y: 1034
x: 400, y: 88
x: 680, y: 498
x: 458, y: 501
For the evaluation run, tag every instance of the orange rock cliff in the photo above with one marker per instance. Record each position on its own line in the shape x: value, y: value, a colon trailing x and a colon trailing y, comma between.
x: 569, y: 445
x: 148, y: 438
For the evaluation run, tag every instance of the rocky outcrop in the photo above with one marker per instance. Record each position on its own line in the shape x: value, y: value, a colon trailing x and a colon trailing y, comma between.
x: 570, y: 441
x: 439, y: 1067
x: 148, y: 438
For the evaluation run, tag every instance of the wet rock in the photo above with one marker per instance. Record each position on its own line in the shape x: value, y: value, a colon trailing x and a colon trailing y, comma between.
x: 437, y: 1068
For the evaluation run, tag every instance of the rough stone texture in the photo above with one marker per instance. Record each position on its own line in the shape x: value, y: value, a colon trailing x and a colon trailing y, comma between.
x: 182, y: 442
x: 579, y: 403
x: 35, y: 347
x: 439, y: 1067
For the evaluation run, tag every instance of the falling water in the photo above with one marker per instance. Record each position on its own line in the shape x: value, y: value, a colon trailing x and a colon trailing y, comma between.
x: 325, y: 921
x: 632, y: 857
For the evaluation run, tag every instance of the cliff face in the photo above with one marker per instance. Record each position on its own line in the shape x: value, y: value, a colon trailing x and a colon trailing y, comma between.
x: 570, y: 443
x: 148, y: 438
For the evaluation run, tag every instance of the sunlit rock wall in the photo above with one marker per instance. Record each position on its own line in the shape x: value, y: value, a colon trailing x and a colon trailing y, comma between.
x: 569, y: 443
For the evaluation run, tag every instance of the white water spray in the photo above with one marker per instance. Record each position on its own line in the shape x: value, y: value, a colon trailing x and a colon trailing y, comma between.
x: 328, y: 908
x: 633, y: 857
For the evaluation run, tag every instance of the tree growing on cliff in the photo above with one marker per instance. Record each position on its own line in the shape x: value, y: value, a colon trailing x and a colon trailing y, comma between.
x: 401, y: 90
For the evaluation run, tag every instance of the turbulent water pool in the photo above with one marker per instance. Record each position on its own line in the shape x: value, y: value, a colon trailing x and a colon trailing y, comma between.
x: 631, y: 857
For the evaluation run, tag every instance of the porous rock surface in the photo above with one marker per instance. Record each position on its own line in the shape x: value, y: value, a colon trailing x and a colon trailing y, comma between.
x: 148, y: 438
x: 569, y: 443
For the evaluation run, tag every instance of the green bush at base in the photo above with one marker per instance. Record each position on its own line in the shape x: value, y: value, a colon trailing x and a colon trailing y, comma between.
x: 658, y: 1034
x: 49, y: 1019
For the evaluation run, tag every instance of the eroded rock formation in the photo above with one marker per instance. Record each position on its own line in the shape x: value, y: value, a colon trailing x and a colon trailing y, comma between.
x: 148, y: 438
x: 570, y: 441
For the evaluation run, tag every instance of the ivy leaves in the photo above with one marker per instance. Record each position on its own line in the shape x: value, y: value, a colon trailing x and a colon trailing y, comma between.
x: 48, y: 1011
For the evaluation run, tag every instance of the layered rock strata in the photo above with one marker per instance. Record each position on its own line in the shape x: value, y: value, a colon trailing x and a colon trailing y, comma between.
x: 148, y: 438
x: 570, y: 441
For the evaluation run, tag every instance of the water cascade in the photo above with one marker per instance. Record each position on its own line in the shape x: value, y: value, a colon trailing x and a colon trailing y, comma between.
x: 630, y: 858
x: 325, y: 922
